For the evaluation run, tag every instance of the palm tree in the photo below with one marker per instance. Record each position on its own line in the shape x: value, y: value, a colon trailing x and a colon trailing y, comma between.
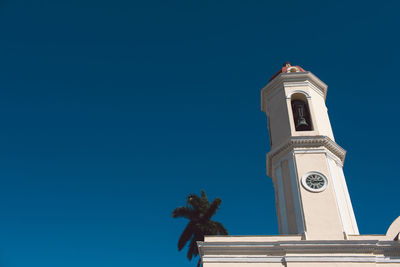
x: 198, y: 211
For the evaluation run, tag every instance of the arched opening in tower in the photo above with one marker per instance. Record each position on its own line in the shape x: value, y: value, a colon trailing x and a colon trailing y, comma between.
x: 301, y: 113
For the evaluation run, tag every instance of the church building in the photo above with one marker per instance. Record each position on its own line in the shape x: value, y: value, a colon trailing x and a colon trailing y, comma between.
x: 317, y: 226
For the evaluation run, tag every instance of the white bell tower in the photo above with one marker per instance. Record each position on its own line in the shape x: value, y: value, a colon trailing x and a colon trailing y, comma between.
x: 316, y: 219
x: 305, y: 162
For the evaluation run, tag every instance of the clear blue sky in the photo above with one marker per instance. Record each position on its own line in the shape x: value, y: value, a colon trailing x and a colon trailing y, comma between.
x: 112, y: 112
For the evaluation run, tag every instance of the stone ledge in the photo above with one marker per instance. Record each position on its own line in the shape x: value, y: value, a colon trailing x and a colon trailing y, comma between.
x: 305, y: 142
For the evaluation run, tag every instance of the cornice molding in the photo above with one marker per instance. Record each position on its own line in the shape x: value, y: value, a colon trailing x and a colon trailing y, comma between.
x: 293, y: 79
x: 281, y: 250
x: 267, y: 259
x: 296, y: 142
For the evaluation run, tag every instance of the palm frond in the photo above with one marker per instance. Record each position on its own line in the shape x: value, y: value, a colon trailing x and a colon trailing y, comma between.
x: 194, y: 201
x: 186, y: 235
x: 212, y: 209
x: 197, y: 237
x: 204, y: 196
x: 192, y: 251
x: 221, y: 229
x: 215, y: 228
x: 184, y: 212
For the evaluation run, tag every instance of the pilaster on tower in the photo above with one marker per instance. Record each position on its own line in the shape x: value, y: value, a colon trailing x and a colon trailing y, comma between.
x: 305, y: 163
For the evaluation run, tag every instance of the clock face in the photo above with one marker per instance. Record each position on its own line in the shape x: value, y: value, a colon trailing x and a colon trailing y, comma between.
x: 314, y: 182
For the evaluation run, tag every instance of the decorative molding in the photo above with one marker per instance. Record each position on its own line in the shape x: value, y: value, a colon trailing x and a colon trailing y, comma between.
x: 307, y: 95
x: 370, y: 259
x: 305, y: 84
x: 306, y: 250
x: 311, y: 150
x: 334, y: 158
x: 306, y: 150
x: 305, y: 142
x: 242, y: 259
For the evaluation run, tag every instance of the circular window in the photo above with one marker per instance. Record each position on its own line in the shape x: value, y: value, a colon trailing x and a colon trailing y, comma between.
x: 314, y: 182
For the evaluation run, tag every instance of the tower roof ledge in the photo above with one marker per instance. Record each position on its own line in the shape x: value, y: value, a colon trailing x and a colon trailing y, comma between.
x: 298, y: 143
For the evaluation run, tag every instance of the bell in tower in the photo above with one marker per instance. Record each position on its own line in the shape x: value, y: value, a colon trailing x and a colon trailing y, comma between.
x: 301, y: 116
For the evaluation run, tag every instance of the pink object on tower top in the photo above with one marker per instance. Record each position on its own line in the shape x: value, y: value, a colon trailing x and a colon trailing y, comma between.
x: 288, y: 68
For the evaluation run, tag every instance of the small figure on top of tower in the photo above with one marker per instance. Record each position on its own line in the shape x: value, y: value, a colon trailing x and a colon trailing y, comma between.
x: 288, y: 68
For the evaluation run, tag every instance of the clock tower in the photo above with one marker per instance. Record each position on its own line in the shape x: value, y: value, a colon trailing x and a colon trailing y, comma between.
x: 305, y: 163
x: 316, y: 220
